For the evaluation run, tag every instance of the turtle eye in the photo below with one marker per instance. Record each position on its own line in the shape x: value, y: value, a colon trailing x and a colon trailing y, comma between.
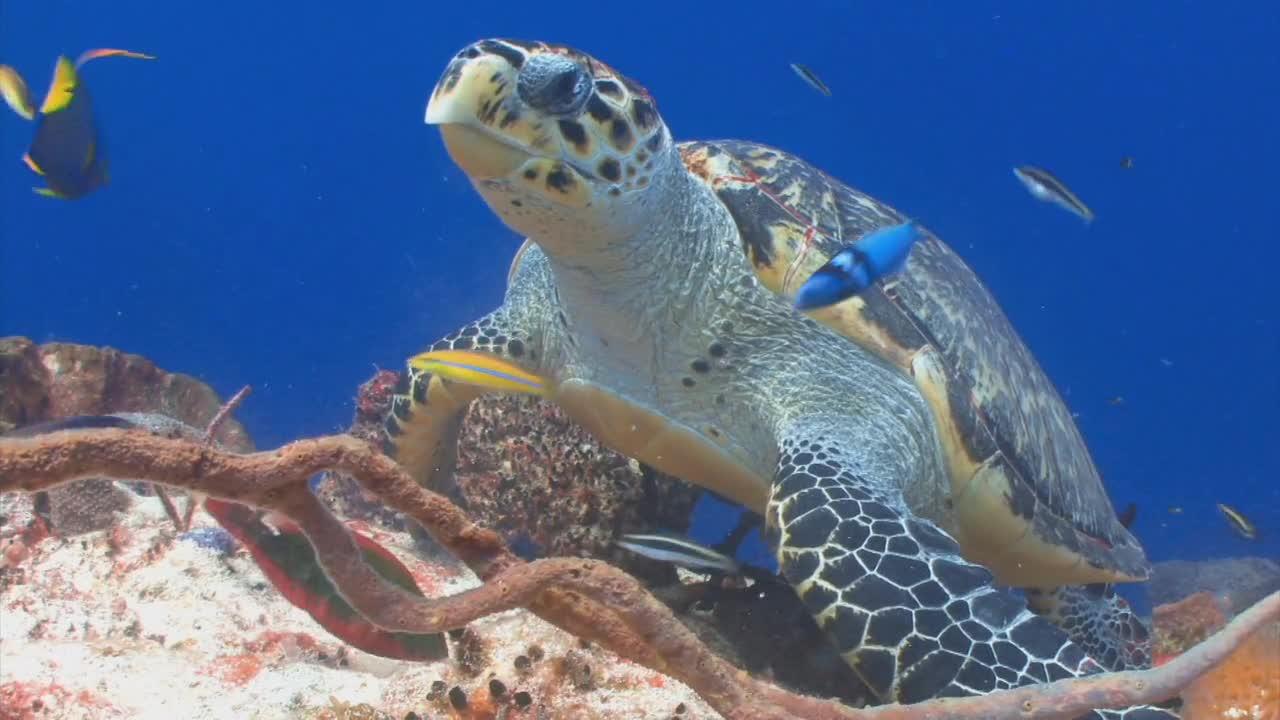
x: 554, y: 84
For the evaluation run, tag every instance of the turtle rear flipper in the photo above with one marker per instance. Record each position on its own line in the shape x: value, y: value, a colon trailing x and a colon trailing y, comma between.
x: 1098, y: 620
x: 906, y: 611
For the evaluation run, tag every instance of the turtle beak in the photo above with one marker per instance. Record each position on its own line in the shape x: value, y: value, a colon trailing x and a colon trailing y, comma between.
x: 473, y: 105
x: 480, y: 155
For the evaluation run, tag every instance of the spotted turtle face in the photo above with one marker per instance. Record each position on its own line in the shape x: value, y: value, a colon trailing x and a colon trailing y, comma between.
x: 555, y: 140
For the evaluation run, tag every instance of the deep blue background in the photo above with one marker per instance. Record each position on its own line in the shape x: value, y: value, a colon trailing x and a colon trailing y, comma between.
x: 280, y: 216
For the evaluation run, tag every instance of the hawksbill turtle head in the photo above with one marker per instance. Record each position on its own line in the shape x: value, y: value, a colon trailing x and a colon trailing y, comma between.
x: 563, y: 148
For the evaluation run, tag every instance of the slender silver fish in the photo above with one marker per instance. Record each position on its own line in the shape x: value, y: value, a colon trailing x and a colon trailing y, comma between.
x: 679, y: 551
x: 812, y: 78
x: 1241, y: 524
x: 1044, y: 186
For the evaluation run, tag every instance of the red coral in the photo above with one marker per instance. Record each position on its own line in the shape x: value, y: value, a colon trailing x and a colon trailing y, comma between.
x: 374, y: 397
x: 119, y: 540
x: 36, y: 533
x: 31, y: 701
x: 273, y: 641
x: 234, y: 669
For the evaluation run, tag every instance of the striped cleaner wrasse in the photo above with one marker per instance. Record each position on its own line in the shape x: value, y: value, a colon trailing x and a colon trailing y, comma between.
x: 679, y: 551
x: 1044, y: 185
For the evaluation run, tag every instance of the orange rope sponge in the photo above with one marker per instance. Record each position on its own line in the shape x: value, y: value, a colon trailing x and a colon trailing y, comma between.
x: 1246, y: 686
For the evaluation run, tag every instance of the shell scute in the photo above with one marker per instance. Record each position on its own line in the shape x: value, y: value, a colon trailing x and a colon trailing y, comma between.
x: 1000, y: 418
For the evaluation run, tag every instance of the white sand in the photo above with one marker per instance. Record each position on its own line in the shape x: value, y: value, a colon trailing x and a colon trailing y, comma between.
x: 172, y: 630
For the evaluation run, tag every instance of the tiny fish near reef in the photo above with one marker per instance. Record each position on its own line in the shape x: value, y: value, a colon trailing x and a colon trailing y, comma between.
x: 68, y: 149
x: 1044, y: 185
x: 811, y: 78
x: 1242, y: 525
x: 679, y: 551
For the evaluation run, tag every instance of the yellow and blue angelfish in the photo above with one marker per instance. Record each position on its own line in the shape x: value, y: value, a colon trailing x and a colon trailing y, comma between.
x: 67, y: 149
x: 872, y: 257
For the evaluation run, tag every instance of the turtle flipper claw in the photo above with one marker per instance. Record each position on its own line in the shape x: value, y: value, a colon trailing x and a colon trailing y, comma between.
x: 912, y: 617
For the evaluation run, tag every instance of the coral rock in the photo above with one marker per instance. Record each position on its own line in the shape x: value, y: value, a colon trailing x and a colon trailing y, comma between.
x: 1241, y: 582
x: 340, y: 491
x: 214, y: 640
x: 1246, y: 686
x: 87, y: 505
x: 58, y: 380
x: 528, y: 471
x: 1180, y: 625
x: 531, y: 473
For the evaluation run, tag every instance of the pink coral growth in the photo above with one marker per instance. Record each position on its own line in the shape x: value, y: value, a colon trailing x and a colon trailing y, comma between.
x: 30, y: 701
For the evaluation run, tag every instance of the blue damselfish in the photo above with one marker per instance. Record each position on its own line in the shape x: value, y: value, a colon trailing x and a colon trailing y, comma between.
x: 872, y: 257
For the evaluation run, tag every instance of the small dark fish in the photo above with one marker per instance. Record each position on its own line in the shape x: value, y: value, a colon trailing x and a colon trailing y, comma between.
x: 1044, y: 186
x: 1116, y: 401
x: 1126, y: 162
x: 67, y: 149
x: 1175, y: 510
x: 1241, y: 524
x: 77, y: 422
x: 809, y: 76
x: 679, y: 551
x: 872, y: 257
x: 1129, y: 515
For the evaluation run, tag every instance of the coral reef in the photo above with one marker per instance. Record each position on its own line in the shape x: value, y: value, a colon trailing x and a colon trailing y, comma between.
x: 575, y: 495
x: 1244, y: 687
x: 552, y: 638
x: 202, y: 624
x: 60, y: 380
x: 587, y: 598
x: 88, y: 505
x: 1237, y: 582
x: 341, y: 491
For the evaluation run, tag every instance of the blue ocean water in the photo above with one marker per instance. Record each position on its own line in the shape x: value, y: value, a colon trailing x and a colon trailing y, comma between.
x: 280, y: 216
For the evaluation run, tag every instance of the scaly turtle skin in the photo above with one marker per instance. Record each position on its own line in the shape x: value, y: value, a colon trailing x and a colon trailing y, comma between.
x: 895, y: 445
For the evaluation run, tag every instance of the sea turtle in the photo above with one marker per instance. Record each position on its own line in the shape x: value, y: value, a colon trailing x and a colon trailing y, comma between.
x: 903, y: 446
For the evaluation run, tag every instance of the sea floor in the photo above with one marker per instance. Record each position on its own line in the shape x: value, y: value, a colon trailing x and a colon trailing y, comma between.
x: 136, y: 622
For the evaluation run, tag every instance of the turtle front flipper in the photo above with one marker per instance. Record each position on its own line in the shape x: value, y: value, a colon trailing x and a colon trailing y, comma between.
x: 1098, y: 620
x: 427, y: 408
x: 912, y: 617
